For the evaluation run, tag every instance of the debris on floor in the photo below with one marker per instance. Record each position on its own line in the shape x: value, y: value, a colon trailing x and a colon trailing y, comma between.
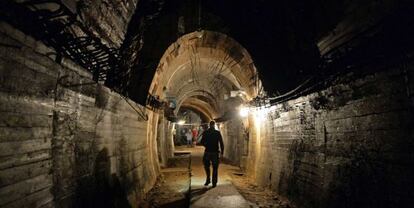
x: 172, y: 188
x: 257, y: 196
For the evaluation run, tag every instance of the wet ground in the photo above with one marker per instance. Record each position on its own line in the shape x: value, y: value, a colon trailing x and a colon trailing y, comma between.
x: 182, y: 185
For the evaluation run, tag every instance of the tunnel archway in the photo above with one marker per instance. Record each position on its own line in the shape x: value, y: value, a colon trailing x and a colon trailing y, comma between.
x: 202, y: 70
x: 208, y: 62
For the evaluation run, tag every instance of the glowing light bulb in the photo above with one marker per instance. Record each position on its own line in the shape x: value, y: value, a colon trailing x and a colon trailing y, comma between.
x: 244, y: 111
x: 181, y: 122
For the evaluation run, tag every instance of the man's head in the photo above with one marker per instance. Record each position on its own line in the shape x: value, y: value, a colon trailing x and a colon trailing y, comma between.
x: 212, y: 124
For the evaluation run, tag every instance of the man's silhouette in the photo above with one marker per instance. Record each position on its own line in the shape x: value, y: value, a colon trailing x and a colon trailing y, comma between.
x: 211, y: 141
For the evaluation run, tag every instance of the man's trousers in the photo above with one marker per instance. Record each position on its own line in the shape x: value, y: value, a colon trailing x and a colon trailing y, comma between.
x: 213, y: 159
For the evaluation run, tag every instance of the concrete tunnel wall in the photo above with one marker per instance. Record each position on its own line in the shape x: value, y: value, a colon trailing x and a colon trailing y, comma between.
x: 350, y: 145
x: 63, y: 146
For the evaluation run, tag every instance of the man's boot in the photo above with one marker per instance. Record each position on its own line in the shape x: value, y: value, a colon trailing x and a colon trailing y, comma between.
x: 207, y: 182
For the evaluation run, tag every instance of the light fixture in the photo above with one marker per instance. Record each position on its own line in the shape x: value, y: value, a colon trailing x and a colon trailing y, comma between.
x: 181, y: 122
x: 243, y: 111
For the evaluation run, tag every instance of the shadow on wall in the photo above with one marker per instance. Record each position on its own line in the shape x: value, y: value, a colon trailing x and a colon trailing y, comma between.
x: 101, y: 189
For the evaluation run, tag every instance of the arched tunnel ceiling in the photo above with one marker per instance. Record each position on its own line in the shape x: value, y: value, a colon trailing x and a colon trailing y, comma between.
x: 203, y: 108
x: 202, y: 95
x: 284, y: 37
x: 197, y: 69
x: 207, y: 62
x: 206, y: 56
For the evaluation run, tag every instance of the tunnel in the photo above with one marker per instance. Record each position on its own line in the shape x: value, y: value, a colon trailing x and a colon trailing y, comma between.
x: 112, y: 103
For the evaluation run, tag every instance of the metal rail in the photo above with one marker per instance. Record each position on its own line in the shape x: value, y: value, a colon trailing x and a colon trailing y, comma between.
x: 51, y: 22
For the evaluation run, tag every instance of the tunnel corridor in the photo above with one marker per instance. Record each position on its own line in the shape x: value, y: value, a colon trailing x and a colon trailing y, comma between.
x: 313, y: 99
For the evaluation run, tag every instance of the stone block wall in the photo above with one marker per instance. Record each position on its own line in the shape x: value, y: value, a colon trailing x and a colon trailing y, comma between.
x: 66, y: 141
x: 350, y: 145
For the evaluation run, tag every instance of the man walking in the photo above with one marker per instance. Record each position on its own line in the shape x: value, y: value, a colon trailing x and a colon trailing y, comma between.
x: 211, y: 141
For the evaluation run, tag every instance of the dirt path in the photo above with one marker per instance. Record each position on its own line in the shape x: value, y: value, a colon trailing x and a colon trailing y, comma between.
x: 177, y: 189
